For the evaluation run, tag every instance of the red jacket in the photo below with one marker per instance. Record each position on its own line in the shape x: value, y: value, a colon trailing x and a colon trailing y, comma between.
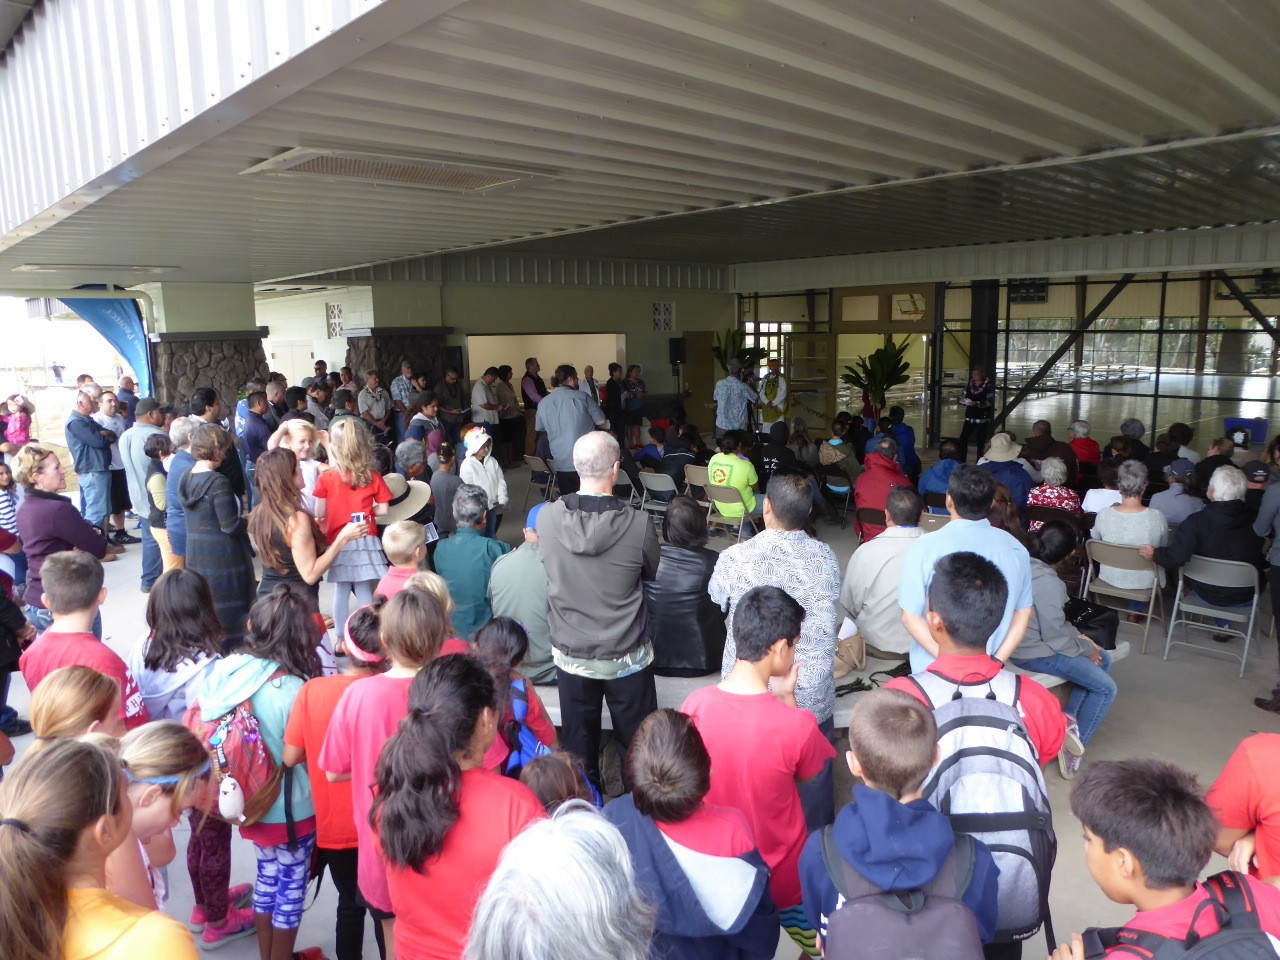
x: 871, y: 490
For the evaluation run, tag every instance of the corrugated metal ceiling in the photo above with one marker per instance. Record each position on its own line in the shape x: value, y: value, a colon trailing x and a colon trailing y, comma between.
x: 645, y: 110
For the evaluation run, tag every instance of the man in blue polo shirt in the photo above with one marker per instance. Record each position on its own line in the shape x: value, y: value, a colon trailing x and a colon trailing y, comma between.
x: 969, y: 494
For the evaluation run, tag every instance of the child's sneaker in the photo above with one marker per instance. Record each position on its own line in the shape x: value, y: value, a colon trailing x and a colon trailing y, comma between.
x: 237, y: 926
x: 1072, y: 749
x: 238, y: 896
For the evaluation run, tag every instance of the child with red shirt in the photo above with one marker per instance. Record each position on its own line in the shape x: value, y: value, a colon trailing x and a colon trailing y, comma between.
x: 501, y: 645
x: 761, y: 744
x: 442, y: 819
x: 351, y: 488
x: 72, y: 593
x: 667, y: 824
x: 413, y: 627
x: 1147, y: 835
x: 335, y: 822
x: 405, y: 544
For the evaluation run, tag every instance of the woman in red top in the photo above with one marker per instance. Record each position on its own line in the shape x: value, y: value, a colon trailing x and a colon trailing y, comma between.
x: 1085, y: 448
x: 1054, y: 492
x: 443, y: 819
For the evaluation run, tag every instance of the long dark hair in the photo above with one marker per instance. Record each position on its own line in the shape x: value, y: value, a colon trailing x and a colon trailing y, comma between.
x: 282, y: 627
x: 279, y: 501
x: 182, y: 620
x: 418, y: 774
x: 499, y: 646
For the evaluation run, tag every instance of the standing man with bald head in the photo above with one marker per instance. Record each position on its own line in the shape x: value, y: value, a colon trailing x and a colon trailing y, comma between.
x: 90, y: 447
x: 596, y: 551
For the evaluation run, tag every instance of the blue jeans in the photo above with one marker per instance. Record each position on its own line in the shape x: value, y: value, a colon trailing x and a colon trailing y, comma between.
x: 491, y: 523
x: 95, y: 496
x: 151, y: 562
x: 1094, y: 688
x: 42, y: 619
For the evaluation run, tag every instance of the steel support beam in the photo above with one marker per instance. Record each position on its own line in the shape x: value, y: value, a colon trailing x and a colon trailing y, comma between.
x: 1247, y: 302
x: 1029, y: 387
x: 937, y: 365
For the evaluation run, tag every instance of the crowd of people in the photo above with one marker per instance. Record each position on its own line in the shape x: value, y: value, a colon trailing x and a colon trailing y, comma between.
x: 411, y: 755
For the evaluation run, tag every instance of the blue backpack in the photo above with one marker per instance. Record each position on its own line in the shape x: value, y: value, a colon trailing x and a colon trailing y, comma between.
x: 524, y: 745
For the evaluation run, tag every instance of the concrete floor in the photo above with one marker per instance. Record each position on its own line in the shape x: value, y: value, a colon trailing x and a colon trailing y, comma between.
x: 1191, y: 710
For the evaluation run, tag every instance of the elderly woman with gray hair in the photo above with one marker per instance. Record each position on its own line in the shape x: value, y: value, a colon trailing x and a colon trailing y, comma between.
x: 1130, y: 524
x: 1054, y: 492
x: 565, y: 889
x: 466, y: 560
x: 1133, y: 430
x: 1223, y: 530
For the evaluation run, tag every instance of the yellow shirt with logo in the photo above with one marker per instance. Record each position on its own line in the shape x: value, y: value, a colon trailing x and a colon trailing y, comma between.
x: 728, y: 470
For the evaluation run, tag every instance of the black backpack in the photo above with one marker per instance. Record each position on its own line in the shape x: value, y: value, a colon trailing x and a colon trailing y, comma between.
x: 1239, y: 937
x: 928, y: 923
x: 988, y: 784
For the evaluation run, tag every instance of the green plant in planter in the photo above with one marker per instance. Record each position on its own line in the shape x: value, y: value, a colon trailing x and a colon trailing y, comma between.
x: 879, y: 373
x: 731, y: 347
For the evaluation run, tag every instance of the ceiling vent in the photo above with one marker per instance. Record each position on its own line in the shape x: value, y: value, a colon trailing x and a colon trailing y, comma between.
x: 421, y: 172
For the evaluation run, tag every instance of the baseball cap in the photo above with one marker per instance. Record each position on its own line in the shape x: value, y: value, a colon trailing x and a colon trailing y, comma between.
x: 1180, y: 469
x: 146, y: 405
x: 1257, y: 471
x: 531, y: 522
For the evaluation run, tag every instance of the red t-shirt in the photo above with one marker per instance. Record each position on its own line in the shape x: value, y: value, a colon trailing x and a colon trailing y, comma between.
x: 536, y: 720
x: 1039, y: 708
x: 393, y: 581
x: 53, y: 650
x: 1175, y: 919
x: 367, y: 716
x: 308, y: 723
x: 1245, y: 798
x: 342, y: 501
x: 759, y: 748
x: 433, y: 909
x: 714, y: 830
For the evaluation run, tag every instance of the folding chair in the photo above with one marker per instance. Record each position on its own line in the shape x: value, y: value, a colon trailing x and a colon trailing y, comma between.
x: 654, y: 484
x: 695, y: 477
x: 830, y: 474
x: 1123, y: 558
x: 929, y: 522
x: 1044, y: 514
x: 1214, y: 573
x: 719, y: 495
x: 548, y: 488
x: 868, y: 515
x: 624, y: 483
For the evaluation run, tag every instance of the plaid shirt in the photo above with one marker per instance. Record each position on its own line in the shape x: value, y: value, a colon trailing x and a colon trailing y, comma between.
x: 402, y: 391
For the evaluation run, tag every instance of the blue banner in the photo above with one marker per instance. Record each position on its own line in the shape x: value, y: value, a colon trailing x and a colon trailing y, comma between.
x: 120, y: 323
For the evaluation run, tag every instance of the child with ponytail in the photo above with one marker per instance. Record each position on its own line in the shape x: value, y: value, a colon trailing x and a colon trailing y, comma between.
x: 442, y: 818
x: 73, y: 701
x: 413, y: 627
x: 167, y: 769
x: 500, y: 645
x: 309, y: 722
x: 63, y: 810
x: 279, y: 656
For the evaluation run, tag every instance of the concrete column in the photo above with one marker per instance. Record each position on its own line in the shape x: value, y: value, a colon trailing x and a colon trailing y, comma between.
x: 206, y: 335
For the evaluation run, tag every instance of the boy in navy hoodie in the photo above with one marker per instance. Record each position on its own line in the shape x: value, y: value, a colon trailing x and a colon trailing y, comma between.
x: 695, y: 861
x: 889, y: 834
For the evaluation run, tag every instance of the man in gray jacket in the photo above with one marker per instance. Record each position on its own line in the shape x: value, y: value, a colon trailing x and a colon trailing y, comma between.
x: 149, y: 416
x: 596, y: 551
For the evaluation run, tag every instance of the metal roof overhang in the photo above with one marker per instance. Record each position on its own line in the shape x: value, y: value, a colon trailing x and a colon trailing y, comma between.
x: 720, y: 133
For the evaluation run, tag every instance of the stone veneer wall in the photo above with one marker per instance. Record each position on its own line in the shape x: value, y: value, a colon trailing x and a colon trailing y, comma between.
x: 181, y: 365
x: 384, y: 351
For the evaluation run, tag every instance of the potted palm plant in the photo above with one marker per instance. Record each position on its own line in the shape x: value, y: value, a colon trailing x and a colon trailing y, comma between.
x: 731, y: 347
x: 877, y: 374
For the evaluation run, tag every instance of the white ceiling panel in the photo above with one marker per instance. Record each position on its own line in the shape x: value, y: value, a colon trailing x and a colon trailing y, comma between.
x: 657, y: 128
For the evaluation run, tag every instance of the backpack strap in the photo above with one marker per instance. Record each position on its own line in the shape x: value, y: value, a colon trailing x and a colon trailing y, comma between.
x: 966, y: 855
x: 928, y: 700
x: 290, y: 826
x: 834, y: 863
x: 1230, y: 890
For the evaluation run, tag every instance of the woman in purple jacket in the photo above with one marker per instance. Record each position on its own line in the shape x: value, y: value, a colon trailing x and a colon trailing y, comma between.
x: 49, y: 523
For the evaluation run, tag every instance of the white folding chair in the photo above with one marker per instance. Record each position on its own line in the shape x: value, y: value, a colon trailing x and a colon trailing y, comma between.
x: 1214, y: 573
x: 656, y: 485
x: 1123, y: 558
x: 719, y: 495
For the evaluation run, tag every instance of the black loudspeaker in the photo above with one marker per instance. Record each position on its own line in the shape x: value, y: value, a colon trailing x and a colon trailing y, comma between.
x: 675, y: 350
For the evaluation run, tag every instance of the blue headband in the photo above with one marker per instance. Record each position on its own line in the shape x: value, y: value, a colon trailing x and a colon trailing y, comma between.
x: 166, y: 781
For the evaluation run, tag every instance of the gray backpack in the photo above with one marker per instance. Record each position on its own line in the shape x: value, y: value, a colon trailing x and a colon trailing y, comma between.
x: 988, y: 784
x: 929, y: 923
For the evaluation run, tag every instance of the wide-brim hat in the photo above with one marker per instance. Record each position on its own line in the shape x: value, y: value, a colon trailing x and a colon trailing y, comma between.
x: 1003, y: 448
x: 408, y: 497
